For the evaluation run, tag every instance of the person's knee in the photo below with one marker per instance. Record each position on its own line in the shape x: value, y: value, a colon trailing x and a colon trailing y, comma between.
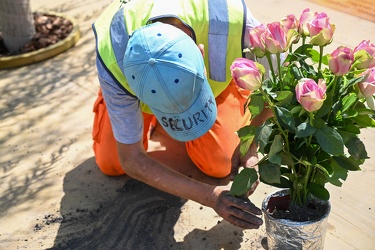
x: 216, y: 165
x: 109, y: 168
x: 107, y: 160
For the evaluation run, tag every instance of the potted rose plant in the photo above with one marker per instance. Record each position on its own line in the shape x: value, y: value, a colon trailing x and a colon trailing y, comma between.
x: 320, y: 102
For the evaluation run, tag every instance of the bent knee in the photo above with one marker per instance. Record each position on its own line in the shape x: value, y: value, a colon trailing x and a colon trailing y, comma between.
x: 107, y: 160
x: 110, y: 167
x: 215, y: 166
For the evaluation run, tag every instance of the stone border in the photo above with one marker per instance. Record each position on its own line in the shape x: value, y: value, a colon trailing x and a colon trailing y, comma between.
x: 8, y: 62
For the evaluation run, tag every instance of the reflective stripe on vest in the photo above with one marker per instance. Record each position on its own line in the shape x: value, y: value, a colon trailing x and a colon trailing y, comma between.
x: 218, y: 39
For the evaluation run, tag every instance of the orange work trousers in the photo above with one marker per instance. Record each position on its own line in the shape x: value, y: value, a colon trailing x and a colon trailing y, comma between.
x: 211, y: 153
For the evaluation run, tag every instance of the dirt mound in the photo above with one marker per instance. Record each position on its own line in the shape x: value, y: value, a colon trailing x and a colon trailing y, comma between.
x: 49, y: 29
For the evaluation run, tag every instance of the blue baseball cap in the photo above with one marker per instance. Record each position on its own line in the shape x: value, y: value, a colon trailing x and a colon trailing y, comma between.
x: 165, y: 69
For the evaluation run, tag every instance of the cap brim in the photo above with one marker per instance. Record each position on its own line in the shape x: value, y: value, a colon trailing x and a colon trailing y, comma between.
x: 195, y: 121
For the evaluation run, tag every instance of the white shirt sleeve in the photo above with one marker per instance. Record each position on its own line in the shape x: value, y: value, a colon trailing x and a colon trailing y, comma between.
x: 251, y: 22
x: 124, y: 110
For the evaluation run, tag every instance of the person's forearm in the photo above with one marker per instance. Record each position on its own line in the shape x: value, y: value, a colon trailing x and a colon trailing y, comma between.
x: 150, y: 171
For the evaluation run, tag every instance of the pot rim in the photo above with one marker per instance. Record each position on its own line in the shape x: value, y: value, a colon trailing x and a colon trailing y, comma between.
x: 288, y: 222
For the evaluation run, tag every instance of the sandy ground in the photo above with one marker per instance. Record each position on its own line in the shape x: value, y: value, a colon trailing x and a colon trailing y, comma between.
x: 53, y: 196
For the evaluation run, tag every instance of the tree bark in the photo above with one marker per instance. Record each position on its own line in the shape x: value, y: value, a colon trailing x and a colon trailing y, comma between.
x: 17, y: 23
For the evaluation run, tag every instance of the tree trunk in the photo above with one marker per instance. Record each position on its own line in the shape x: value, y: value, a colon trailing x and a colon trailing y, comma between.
x: 17, y: 23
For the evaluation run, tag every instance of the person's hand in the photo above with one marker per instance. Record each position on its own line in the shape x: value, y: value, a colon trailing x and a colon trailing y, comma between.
x: 249, y: 160
x: 240, y: 212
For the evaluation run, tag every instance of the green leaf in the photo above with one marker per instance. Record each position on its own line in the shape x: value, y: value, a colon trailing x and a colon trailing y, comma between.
x: 364, y: 111
x: 328, y: 172
x: 284, y: 97
x: 296, y: 72
x: 322, y: 169
x: 256, y: 105
x: 336, y: 107
x: 318, y: 122
x: 302, y: 112
x: 320, y: 178
x: 290, y: 176
x: 314, y: 55
x: 357, y: 149
x: 310, y: 70
x: 330, y: 141
x: 263, y: 134
x: 276, y: 147
x: 338, y: 173
x: 286, y: 160
x: 346, y: 136
x: 303, y: 49
x: 284, y: 183
x: 267, y: 86
x: 305, y: 130
x: 364, y: 121
x: 245, y: 145
x: 296, y: 109
x: 269, y: 172
x: 260, y: 67
x: 327, y: 106
x: 349, y: 128
x: 243, y: 181
x: 246, y: 132
x: 355, y: 80
x: 246, y: 135
x: 346, y: 163
x: 350, y: 113
x: 348, y: 101
x: 284, y: 116
x: 325, y: 60
x: 318, y: 191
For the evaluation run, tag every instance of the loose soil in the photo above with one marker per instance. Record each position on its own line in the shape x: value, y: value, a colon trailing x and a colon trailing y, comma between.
x: 49, y: 29
x: 280, y: 208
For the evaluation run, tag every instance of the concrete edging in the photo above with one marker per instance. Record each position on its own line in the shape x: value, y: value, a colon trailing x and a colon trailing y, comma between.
x: 8, y: 62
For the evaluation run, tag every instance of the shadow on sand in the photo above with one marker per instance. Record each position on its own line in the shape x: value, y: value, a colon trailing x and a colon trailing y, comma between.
x: 100, y: 212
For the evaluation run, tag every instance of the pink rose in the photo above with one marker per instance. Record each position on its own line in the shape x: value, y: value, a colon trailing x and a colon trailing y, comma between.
x: 246, y: 74
x: 304, y: 19
x: 310, y: 94
x: 290, y: 24
x: 275, y: 38
x: 321, y: 30
x: 365, y: 54
x: 341, y: 60
x: 257, y: 40
x: 367, y: 86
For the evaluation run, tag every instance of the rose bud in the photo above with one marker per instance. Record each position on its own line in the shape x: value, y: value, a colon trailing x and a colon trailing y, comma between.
x: 321, y: 31
x: 276, y: 38
x: 304, y: 19
x: 310, y: 94
x: 367, y: 85
x: 365, y: 54
x: 340, y: 60
x: 257, y: 45
x: 246, y: 74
